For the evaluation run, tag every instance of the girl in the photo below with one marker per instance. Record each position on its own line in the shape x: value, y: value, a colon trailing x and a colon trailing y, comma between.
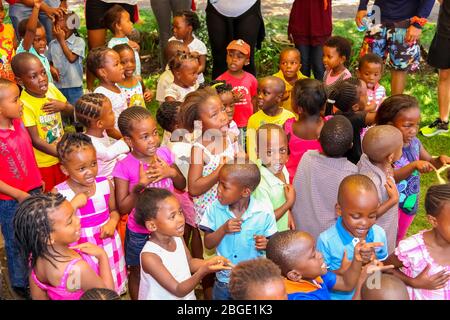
x: 132, y: 85
x: 45, y: 226
x: 166, y: 262
x: 94, y: 112
x: 184, y: 25
x: 402, y: 111
x: 99, y: 216
x: 422, y: 261
x: 149, y: 165
x: 184, y: 68
x: 336, y: 55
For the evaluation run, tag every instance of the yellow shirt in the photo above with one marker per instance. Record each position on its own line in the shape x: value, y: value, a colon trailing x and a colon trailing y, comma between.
x: 49, y: 126
x: 287, y: 103
x: 258, y: 119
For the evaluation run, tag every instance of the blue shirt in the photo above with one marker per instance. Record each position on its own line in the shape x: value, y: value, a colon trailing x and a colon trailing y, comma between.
x: 41, y: 57
x: 333, y: 241
x: 322, y: 292
x: 398, y: 10
x: 258, y: 219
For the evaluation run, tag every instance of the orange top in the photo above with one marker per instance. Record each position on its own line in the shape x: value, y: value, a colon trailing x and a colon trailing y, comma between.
x: 302, y: 285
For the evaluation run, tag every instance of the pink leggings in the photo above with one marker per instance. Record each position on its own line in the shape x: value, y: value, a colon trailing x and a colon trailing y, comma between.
x: 404, y: 221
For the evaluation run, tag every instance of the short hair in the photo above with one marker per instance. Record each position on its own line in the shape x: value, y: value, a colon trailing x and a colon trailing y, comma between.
x: 391, y: 106
x: 336, y: 137
x: 310, y: 95
x: 435, y: 199
x: 4, y: 85
x: 167, y: 115
x: 122, y: 47
x: 360, y: 181
x: 380, y: 141
x: 172, y: 48
x: 345, y: 95
x: 70, y: 142
x: 290, y: 49
x: 22, y: 27
x: 112, y: 17
x: 190, y: 17
x: 256, y: 271
x: 370, y: 58
x: 391, y: 288
x: 177, y: 61
x: 189, y: 110
x: 20, y: 62
x: 89, y: 107
x: 342, y: 45
x: 96, y: 59
x: 128, y: 116
x: 100, y: 294
x: 148, y: 202
x: 278, y: 83
x: 266, y: 129
x: 247, y: 174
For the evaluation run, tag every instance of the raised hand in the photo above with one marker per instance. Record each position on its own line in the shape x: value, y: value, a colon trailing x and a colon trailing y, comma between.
x: 364, y: 251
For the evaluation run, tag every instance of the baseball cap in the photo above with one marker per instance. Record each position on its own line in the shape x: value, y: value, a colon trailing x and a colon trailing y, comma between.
x: 239, y: 45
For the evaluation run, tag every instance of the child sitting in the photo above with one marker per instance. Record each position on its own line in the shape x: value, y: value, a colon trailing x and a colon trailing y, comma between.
x: 257, y: 279
x: 382, y: 146
x: 268, y: 101
x: 184, y: 68
x: 185, y: 23
x: 318, y: 176
x: 8, y: 45
x: 289, y: 72
x: 274, y: 185
x: 45, y: 227
x: 336, y: 55
x: 370, y: 70
x: 43, y: 104
x: 422, y: 261
x: 356, y: 208
x: 236, y: 224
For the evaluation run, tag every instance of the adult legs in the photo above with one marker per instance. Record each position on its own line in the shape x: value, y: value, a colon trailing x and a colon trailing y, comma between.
x: 398, y: 81
x: 444, y: 94
x: 305, y: 59
x: 316, y: 56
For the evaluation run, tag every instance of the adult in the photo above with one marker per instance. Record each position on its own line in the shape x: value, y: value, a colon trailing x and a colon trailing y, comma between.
x: 229, y: 20
x: 398, y: 37
x: 164, y: 11
x: 439, y: 57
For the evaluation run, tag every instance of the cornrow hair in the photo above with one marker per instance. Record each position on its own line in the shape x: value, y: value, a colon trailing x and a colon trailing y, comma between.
x: 177, y: 61
x: 391, y: 106
x: 112, y: 17
x: 148, y: 201
x: 437, y: 196
x: 96, y: 59
x: 126, y: 118
x: 89, y: 107
x: 345, y: 95
x: 100, y: 294
x: 70, y: 142
x: 258, y: 271
x: 190, y: 17
x: 221, y: 86
x: 167, y: 115
x: 122, y: 47
x: 189, y: 110
x: 32, y: 227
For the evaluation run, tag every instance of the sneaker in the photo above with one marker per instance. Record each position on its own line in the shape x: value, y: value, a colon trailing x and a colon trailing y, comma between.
x: 437, y: 127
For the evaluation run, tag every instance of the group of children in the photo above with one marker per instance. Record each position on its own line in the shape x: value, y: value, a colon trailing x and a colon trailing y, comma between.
x: 286, y: 187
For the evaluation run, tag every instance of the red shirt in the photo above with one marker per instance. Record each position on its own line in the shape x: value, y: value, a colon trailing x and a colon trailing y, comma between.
x: 17, y: 161
x: 247, y: 86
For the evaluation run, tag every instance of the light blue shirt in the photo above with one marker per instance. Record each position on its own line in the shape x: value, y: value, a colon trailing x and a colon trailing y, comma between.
x: 71, y: 74
x: 333, y: 241
x: 258, y: 219
x: 41, y: 57
x: 115, y: 41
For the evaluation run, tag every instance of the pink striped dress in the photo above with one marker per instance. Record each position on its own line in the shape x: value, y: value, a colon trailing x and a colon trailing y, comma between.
x: 92, y: 217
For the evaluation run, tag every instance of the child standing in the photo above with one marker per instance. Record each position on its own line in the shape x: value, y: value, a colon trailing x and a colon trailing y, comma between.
x: 8, y: 44
x: 336, y: 55
x: 370, y: 70
x: 184, y: 69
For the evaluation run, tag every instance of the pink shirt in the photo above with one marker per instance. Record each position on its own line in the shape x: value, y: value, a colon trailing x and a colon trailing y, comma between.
x: 128, y: 169
x: 329, y: 79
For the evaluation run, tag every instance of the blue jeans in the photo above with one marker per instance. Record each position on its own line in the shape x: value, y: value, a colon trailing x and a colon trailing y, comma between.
x: 72, y: 94
x: 221, y: 291
x: 311, y: 57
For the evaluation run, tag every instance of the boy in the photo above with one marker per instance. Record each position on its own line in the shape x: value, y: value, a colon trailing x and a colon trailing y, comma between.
x: 289, y: 72
x: 356, y: 208
x: 43, y: 104
x: 318, y: 176
x: 268, y: 101
x: 382, y: 146
x: 370, y: 70
x: 236, y: 224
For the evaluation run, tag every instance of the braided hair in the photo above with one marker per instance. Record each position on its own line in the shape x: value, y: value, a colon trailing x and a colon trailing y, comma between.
x: 126, y: 118
x: 96, y: 59
x: 89, y: 107
x: 100, y: 294
x: 167, y: 115
x: 190, y: 17
x: 70, y: 142
x: 177, y: 61
x: 437, y: 196
x: 344, y: 96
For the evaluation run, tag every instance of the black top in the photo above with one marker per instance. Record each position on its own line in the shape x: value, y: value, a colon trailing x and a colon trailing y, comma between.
x: 443, y: 24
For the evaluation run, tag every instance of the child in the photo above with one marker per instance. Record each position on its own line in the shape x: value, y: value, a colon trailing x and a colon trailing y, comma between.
x: 100, y: 294
x: 390, y: 288
x: 45, y: 229
x: 43, y: 104
x: 274, y: 185
x: 19, y: 177
x: 8, y: 45
x: 289, y: 73
x: 308, y: 99
x: 166, y: 264
x: 382, y: 146
x: 184, y: 69
x: 185, y: 23
x: 318, y: 176
x: 117, y: 20
x: 236, y: 224
x: 94, y: 112
x: 132, y: 86
x: 402, y: 111
x: 147, y: 165
x: 336, y: 55
x: 356, y: 208
x: 422, y: 261
x: 305, y: 273
x: 268, y: 101
x: 66, y: 52
x: 257, y: 279
x: 370, y: 70
x: 99, y: 216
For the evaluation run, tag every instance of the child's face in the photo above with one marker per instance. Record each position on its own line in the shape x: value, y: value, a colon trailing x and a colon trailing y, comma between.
x: 66, y: 225
x: 407, y: 121
x: 236, y: 60
x: 309, y: 264
x: 10, y: 105
x: 34, y: 79
x: 181, y: 30
x: 331, y: 58
x: 272, y: 290
x: 268, y: 95
x: 125, y: 23
x: 213, y: 115
x: 273, y: 150
x: 144, y: 138
x: 107, y: 117
x: 290, y: 64
x: 229, y: 190
x: 188, y: 73
x: 169, y: 219
x: 40, y: 41
x: 113, y: 70
x: 227, y: 99
x: 370, y: 73
x: 81, y: 166
x: 62, y: 23
x: 128, y: 60
x: 442, y: 222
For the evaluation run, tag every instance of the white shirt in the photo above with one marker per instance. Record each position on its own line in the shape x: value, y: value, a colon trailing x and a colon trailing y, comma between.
x: 232, y: 8
x: 118, y: 101
x: 177, y: 92
x: 165, y: 79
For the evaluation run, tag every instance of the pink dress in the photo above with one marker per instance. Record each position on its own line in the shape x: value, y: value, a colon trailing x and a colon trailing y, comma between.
x: 92, y: 217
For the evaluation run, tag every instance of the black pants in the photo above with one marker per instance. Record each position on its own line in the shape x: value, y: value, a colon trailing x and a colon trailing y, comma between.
x: 222, y: 30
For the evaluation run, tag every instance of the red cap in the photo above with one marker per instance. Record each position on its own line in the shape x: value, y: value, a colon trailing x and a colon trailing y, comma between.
x: 240, y: 45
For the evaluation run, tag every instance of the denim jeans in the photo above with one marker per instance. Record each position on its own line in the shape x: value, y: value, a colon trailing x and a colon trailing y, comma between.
x: 72, y: 94
x: 221, y: 291
x: 311, y: 57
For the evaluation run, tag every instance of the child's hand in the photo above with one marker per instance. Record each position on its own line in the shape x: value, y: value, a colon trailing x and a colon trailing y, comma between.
x: 134, y: 45
x: 289, y: 193
x: 160, y: 170
x: 291, y: 221
x: 424, y: 166
x: 345, y: 264
x: 233, y: 225
x: 107, y: 230
x: 371, y: 107
x: 90, y: 249
x: 21, y: 196
x: 436, y: 281
x: 217, y: 263
x: 376, y: 265
x: 365, y: 252
x: 37, y: 3
x: 59, y: 34
x: 148, y: 95
x: 391, y: 189
x: 443, y: 159
x: 53, y: 106
x: 79, y: 201
x: 144, y: 176
x: 260, y: 242
x: 55, y: 73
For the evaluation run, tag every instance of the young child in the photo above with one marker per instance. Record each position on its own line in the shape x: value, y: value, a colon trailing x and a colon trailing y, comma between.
x: 422, y: 261
x: 147, y: 165
x: 19, y: 177
x: 257, y: 279
x: 336, y: 55
x: 43, y: 104
x: 184, y: 69
x: 403, y: 112
x: 318, y: 176
x: 370, y: 70
x: 8, y: 45
x: 390, y: 288
x: 185, y: 23
x: 289, y: 72
x: 268, y: 101
x: 45, y: 228
x: 236, y: 224
x: 382, y: 146
x: 99, y: 217
x: 305, y: 273
x: 66, y: 52
x: 100, y: 294
x: 308, y: 99
x: 274, y: 185
x: 132, y: 85
x: 117, y: 20
x: 166, y: 264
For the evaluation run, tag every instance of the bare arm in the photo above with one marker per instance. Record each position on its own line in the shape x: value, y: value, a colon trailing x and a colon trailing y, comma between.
x: 41, y: 144
x: 212, y: 239
x: 126, y: 200
x: 15, y: 193
x: 36, y: 292
x: 198, y: 184
x: 31, y: 27
x: 348, y: 280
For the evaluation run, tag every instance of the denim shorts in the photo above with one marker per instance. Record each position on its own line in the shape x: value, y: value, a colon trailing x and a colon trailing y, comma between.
x: 134, y: 243
x: 221, y: 291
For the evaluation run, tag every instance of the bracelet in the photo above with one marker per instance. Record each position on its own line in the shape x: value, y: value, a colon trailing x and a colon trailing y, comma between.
x: 416, y: 21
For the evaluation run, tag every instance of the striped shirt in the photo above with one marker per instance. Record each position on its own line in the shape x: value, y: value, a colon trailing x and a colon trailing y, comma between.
x: 378, y: 94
